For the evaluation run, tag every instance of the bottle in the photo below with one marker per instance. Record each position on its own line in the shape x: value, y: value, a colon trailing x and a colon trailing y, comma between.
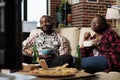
x: 68, y: 14
x: 34, y: 55
x: 77, y: 63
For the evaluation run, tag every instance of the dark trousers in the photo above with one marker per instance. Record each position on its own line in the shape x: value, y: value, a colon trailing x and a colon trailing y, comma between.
x: 60, y: 60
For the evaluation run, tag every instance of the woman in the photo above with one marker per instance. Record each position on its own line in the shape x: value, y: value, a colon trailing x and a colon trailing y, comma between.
x: 104, y: 54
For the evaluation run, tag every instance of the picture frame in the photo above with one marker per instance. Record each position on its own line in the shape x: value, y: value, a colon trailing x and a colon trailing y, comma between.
x: 75, y: 1
x: 92, y: 1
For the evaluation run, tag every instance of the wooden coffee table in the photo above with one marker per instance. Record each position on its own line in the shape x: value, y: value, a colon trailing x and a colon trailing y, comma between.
x: 79, y: 75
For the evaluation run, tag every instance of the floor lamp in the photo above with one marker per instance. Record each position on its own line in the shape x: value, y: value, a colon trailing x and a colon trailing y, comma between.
x: 112, y: 14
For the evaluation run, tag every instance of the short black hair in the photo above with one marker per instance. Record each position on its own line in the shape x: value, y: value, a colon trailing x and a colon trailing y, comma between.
x: 51, y: 19
x: 47, y: 16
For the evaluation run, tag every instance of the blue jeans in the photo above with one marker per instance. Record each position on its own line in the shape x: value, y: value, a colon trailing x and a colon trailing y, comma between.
x: 94, y: 64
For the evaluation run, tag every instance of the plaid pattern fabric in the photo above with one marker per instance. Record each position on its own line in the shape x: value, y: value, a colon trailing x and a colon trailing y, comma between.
x: 55, y: 41
x: 108, y: 47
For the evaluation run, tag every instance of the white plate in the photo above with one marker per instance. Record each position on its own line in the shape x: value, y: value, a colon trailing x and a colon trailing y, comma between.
x: 88, y: 43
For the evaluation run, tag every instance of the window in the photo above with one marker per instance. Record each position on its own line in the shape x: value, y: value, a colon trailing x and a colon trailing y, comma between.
x: 92, y: 0
x: 34, y: 9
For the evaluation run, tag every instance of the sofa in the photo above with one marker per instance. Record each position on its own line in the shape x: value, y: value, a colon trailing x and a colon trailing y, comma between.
x: 75, y: 35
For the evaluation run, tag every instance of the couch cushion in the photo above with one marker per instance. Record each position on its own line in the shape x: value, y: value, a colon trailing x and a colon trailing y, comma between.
x: 108, y: 76
x: 72, y: 35
x: 35, y: 31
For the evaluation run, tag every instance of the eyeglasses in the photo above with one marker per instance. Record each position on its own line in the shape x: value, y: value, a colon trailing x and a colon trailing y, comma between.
x: 95, y: 23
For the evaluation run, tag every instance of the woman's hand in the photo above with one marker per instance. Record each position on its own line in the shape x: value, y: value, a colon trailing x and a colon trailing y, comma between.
x: 86, y: 36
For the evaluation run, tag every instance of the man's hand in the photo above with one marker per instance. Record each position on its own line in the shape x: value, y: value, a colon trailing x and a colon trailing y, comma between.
x: 28, y: 51
x: 45, y: 56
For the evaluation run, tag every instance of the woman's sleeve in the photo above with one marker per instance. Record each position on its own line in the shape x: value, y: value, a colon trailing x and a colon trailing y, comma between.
x: 114, y: 41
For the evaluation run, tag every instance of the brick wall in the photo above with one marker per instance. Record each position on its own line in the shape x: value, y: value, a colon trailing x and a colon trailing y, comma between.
x: 84, y: 11
x: 54, y: 5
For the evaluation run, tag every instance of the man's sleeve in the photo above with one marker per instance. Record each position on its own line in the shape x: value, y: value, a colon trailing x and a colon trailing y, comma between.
x: 64, y: 45
x: 30, y: 40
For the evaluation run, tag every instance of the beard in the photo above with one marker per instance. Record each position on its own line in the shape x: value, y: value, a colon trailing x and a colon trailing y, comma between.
x: 47, y: 30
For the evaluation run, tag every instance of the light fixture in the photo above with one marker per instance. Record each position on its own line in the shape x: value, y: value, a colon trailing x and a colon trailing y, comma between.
x: 115, y: 7
x: 112, y: 14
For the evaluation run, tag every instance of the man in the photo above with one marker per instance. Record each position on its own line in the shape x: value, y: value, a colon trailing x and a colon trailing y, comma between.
x: 48, y: 38
x: 104, y: 54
